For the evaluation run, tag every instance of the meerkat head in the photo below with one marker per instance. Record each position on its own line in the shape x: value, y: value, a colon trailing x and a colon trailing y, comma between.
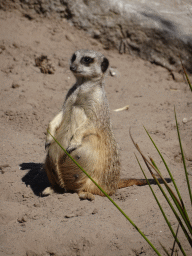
x: 88, y: 64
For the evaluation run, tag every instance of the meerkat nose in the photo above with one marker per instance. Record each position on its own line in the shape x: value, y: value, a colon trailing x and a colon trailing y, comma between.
x: 73, y: 68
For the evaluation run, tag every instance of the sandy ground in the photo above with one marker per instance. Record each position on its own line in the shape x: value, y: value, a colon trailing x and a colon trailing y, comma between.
x: 61, y: 224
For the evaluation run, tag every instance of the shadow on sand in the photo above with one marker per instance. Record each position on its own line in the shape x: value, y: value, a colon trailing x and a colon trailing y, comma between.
x: 36, y: 177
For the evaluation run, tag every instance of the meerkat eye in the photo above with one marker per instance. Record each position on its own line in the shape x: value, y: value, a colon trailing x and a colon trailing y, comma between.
x: 73, y: 58
x: 87, y: 60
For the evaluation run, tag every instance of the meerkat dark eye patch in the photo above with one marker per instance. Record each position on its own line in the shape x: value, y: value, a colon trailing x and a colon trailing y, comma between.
x: 104, y: 65
x: 86, y: 60
x: 73, y: 58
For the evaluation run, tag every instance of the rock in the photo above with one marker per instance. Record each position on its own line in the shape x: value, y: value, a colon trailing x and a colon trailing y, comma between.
x: 2, y: 48
x: 95, y: 211
x: 45, y: 64
x: 186, y: 120
x: 15, y: 84
x: 2, y: 168
x: 69, y: 37
x: 62, y: 63
x: 157, y: 31
x: 22, y: 219
x: 28, y: 16
x: 112, y: 72
x: 177, y: 77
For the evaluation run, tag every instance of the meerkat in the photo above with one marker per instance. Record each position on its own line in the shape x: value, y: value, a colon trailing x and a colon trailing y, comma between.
x: 84, y: 129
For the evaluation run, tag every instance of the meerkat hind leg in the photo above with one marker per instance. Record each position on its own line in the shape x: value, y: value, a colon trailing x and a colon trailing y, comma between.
x: 47, y: 191
x: 86, y: 195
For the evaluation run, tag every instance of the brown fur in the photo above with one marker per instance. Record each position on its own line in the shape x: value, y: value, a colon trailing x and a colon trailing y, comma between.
x: 83, y: 127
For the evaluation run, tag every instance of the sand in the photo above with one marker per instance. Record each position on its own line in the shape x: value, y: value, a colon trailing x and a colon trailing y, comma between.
x: 62, y: 224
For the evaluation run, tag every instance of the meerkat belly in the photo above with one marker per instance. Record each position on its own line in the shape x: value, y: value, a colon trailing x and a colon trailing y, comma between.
x: 86, y: 156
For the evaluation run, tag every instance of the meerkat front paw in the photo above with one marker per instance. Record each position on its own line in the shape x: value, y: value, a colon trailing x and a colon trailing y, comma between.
x: 74, y: 144
x: 49, y: 140
x: 47, y: 144
x: 72, y: 147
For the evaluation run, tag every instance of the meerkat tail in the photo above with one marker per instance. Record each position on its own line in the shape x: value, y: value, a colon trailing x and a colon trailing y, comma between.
x: 123, y: 183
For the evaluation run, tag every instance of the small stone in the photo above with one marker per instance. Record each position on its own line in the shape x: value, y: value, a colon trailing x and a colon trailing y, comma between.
x: 177, y: 77
x: 62, y: 64
x: 2, y: 167
x: 15, y: 45
x: 69, y: 216
x: 94, y: 42
x: 15, y: 85
x: 112, y: 72
x: 69, y: 37
x: 28, y: 16
x: 185, y: 120
x: 9, y: 113
x: 31, y: 253
x: 94, y: 211
x: 96, y: 33
x: 36, y: 205
x: 22, y: 219
x: 2, y: 47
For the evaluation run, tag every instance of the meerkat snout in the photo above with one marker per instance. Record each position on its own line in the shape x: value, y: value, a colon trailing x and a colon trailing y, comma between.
x: 73, y: 68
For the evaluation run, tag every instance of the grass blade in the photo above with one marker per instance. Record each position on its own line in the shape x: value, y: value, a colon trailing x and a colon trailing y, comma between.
x: 186, y: 76
x: 164, y: 215
x: 165, y: 250
x: 175, y: 241
x: 183, y: 158
x: 176, y: 201
x: 180, y: 205
x: 170, y: 174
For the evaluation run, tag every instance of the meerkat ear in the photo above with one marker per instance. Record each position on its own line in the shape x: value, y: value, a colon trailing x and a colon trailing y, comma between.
x: 104, y: 65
